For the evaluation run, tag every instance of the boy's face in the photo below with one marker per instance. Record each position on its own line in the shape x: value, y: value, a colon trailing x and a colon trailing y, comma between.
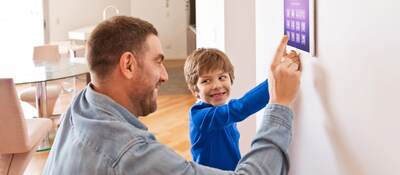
x: 214, y: 87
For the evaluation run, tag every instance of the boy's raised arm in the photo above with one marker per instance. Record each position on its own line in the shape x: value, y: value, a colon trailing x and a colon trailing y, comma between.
x: 208, y: 117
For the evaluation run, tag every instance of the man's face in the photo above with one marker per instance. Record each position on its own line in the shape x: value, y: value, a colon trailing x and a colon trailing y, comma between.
x: 214, y: 87
x: 151, y: 74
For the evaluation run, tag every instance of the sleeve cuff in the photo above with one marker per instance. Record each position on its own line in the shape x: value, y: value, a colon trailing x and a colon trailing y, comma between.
x: 279, y: 114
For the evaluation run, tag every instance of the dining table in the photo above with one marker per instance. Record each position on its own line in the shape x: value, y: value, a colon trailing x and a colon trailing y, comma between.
x: 40, y: 73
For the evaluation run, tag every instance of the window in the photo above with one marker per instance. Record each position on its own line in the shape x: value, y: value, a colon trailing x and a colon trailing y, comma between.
x: 21, y: 29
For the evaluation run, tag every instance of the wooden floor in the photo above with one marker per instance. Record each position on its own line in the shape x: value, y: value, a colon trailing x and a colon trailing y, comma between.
x: 169, y: 124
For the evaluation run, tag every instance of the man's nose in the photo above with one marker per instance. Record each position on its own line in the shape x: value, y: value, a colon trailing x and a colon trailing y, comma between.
x: 164, y: 74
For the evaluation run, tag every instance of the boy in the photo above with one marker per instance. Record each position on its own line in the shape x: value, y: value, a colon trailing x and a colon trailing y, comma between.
x: 213, y: 133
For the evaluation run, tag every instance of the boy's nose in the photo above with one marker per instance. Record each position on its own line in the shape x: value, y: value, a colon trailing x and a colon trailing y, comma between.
x: 217, y: 85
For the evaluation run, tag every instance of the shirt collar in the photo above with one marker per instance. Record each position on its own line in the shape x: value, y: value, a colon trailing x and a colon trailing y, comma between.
x: 109, y: 104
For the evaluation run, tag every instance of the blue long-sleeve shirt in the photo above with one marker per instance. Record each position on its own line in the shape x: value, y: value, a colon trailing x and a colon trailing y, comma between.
x: 213, y: 133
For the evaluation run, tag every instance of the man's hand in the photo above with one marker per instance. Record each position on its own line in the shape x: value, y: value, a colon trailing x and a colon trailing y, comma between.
x: 293, y: 57
x: 284, y: 75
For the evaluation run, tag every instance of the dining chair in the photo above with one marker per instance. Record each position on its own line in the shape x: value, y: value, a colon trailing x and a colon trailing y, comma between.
x: 42, y: 54
x: 78, y: 51
x: 19, y: 136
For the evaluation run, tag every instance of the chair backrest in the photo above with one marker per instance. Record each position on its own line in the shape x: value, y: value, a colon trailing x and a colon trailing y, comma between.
x: 13, y: 128
x: 80, y: 51
x: 45, y: 53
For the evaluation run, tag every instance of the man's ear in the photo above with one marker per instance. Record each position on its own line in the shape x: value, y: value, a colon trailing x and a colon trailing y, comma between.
x: 127, y: 64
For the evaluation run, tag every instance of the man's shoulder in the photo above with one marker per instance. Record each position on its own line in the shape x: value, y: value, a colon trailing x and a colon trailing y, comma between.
x: 105, y: 128
x: 106, y: 138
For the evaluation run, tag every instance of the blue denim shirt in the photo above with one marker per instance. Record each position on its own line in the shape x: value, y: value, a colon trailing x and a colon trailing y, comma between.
x: 99, y: 136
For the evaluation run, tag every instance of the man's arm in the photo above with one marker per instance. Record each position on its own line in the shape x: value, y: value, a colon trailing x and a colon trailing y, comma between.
x: 267, y: 156
x: 269, y: 149
x: 269, y: 153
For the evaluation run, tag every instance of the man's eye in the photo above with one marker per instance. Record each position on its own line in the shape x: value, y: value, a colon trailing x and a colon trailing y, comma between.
x: 223, y: 77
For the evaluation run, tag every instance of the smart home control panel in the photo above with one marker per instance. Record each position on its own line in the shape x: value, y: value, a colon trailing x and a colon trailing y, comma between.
x: 299, y: 24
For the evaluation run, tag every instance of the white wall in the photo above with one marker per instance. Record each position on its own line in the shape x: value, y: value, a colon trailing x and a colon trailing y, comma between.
x: 170, y: 19
x: 346, y: 119
x: 66, y: 15
x: 210, y: 24
x: 230, y: 27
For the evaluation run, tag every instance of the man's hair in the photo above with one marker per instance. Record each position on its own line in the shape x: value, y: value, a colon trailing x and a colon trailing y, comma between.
x: 204, y: 60
x: 111, y: 38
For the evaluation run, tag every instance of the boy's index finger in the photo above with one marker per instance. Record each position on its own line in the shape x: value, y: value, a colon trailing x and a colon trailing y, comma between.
x: 280, y: 51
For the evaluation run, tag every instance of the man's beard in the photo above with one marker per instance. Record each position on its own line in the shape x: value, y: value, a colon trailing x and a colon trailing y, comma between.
x: 148, y: 103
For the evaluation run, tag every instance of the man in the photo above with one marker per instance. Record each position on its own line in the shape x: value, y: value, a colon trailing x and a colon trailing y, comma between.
x: 100, y: 133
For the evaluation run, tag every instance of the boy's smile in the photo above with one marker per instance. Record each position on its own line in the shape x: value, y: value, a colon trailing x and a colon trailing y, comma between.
x: 214, y: 87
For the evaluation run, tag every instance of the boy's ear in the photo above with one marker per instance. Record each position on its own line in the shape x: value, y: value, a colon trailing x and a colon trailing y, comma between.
x: 195, y: 93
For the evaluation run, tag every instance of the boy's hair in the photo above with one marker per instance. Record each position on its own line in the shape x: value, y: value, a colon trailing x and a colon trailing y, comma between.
x: 204, y: 60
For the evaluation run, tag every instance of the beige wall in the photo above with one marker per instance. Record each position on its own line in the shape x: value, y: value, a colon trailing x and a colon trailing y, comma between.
x: 66, y: 15
x: 240, y: 45
x: 170, y: 19
x: 346, y: 112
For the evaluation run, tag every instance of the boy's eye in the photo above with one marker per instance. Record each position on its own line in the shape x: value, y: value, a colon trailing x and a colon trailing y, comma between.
x: 223, y: 77
x: 204, y: 81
